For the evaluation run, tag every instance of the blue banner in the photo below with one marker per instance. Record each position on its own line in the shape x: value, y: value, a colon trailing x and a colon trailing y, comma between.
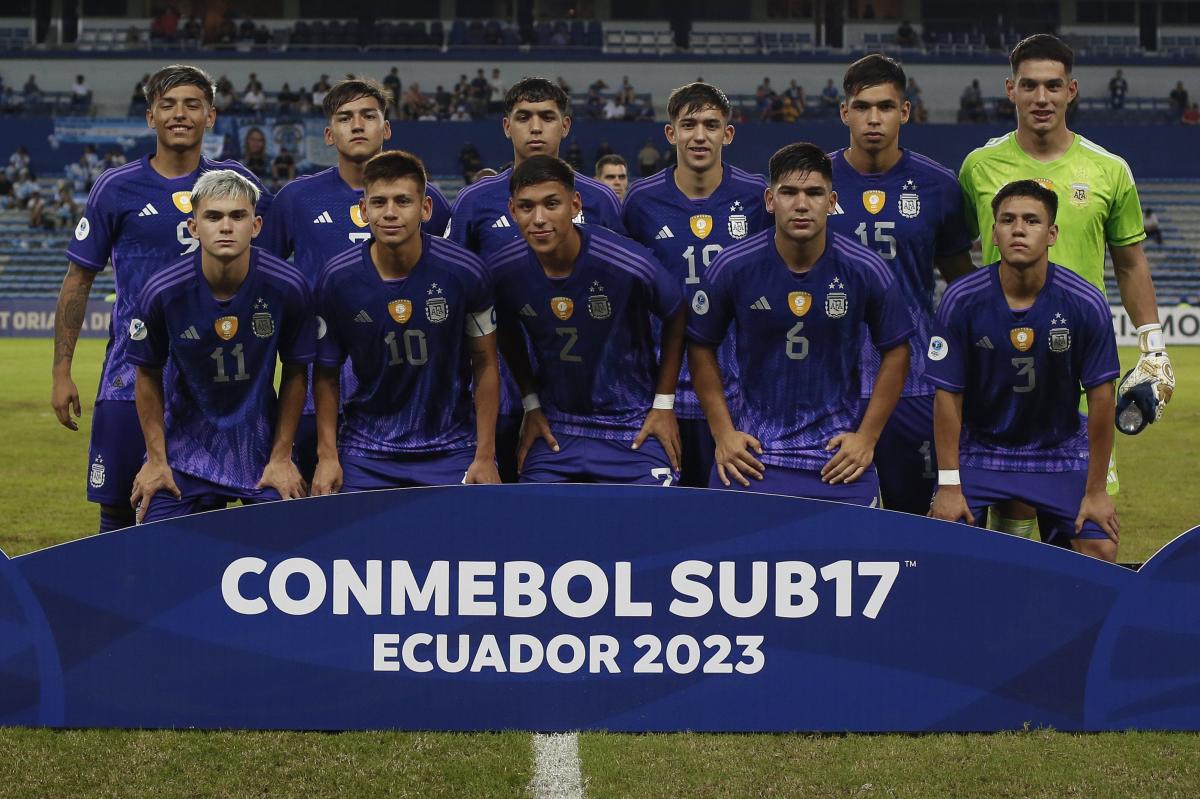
x: 592, y: 607
x: 33, y: 317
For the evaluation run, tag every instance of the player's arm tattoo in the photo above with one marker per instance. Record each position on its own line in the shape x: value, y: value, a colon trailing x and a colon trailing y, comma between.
x: 68, y: 316
x: 1135, y: 284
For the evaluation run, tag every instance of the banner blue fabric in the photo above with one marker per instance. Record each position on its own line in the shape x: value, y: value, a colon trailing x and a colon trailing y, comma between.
x: 592, y: 607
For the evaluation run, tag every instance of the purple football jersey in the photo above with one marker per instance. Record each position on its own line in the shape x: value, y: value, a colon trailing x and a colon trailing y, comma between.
x: 1020, y: 371
x: 137, y: 219
x: 406, y: 341
x: 798, y: 339
x: 909, y: 215
x: 687, y: 235
x: 220, y: 355
x: 590, y: 336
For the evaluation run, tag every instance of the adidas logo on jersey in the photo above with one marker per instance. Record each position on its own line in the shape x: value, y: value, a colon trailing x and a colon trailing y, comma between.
x: 190, y: 334
x: 502, y: 222
x: 323, y: 219
x: 665, y: 233
x: 148, y: 210
x: 837, y: 209
x: 985, y: 342
x: 363, y: 316
x: 528, y: 310
x: 761, y: 304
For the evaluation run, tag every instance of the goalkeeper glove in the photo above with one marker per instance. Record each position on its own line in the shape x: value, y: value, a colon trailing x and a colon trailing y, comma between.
x: 1145, y: 389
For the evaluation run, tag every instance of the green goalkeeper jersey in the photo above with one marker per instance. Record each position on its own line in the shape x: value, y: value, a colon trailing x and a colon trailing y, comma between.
x: 1097, y: 200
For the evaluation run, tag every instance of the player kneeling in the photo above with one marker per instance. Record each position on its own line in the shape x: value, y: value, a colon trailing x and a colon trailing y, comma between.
x: 413, y: 313
x: 799, y: 298
x: 1014, y: 342
x: 600, y: 406
x: 219, y: 319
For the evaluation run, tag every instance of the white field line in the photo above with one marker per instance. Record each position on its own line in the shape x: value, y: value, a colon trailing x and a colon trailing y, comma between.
x: 556, y: 772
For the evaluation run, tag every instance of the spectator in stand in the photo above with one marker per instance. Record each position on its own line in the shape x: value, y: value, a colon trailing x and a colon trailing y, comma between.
x: 613, y: 172
x: 562, y: 84
x: 81, y: 95
x: 649, y: 160
x: 6, y: 191
x: 594, y: 105
x: 66, y: 209
x: 462, y: 89
x: 113, y: 159
x: 461, y: 114
x: 1192, y: 115
x: 626, y: 95
x: 33, y: 94
x: 613, y: 108
x: 254, y: 154
x: 917, y: 105
x: 165, y: 26
x: 1151, y: 224
x: 226, y: 32
x: 18, y: 162
x: 496, y: 99
x: 89, y: 157
x: 41, y: 215
x: 477, y: 99
x: 286, y: 99
x: 25, y: 186
x: 414, y: 102
x: 224, y: 99
x: 574, y: 156
x: 442, y: 100
x: 971, y: 104
x: 262, y: 35
x: 788, y: 112
x: 796, y: 93
x: 391, y: 82
x: 647, y: 112
x: 470, y: 161
x: 906, y: 35
x: 283, y: 167
x: 246, y: 30
x: 137, y: 103
x: 319, y: 90
x: 1117, y: 89
x: 1179, y: 100
x: 830, y: 99
x: 193, y: 30
x: 773, y: 112
x: 598, y: 86
x: 254, y: 98
x: 763, y: 95
x: 79, y: 175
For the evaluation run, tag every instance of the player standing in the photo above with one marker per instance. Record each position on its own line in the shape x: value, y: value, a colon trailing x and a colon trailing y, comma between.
x: 598, y: 408
x: 536, y: 120
x: 316, y: 217
x: 220, y: 318
x: 613, y: 171
x: 1098, y: 205
x: 413, y: 313
x: 686, y: 215
x: 137, y: 217
x: 908, y: 209
x: 799, y: 297
x: 1013, y: 344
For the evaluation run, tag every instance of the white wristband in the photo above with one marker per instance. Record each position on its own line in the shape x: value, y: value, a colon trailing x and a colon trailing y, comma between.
x: 664, y: 402
x: 948, y: 477
x: 530, y: 402
x: 1150, y: 338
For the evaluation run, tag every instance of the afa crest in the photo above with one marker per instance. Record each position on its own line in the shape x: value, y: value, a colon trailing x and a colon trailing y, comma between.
x: 910, y: 201
x: 701, y: 225
x: 873, y: 200
x: 1021, y: 338
x: 562, y: 307
x: 799, y: 302
x: 356, y: 216
x: 437, y: 310
x: 226, y: 327
x: 183, y: 201
x: 599, y: 307
x: 400, y: 311
x: 1079, y: 194
x: 261, y: 322
x: 96, y: 475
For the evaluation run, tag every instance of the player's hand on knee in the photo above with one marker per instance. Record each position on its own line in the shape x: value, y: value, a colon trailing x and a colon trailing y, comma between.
x: 734, y: 460
x: 950, y: 505
x: 154, y: 476
x: 534, y: 425
x: 662, y: 424
x: 1098, y: 507
x: 855, y: 452
x: 283, y: 476
x: 64, y: 398
x: 327, y: 479
x: 482, y: 471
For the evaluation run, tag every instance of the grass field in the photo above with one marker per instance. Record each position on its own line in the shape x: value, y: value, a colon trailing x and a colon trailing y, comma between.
x: 42, y: 504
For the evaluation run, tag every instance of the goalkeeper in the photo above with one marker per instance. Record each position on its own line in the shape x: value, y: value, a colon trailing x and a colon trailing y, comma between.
x: 1098, y: 207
